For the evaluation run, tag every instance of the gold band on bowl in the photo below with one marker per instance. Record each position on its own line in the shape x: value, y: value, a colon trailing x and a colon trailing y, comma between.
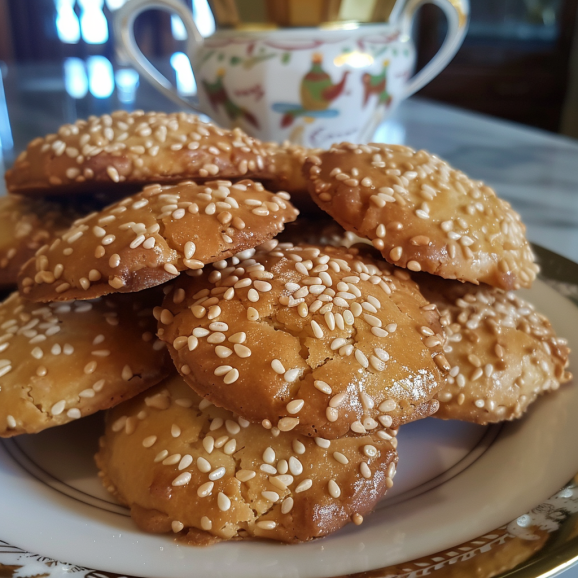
x: 273, y: 14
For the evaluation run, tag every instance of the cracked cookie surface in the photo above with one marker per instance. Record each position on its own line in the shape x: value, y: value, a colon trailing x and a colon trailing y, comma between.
x: 422, y: 214
x: 503, y: 353
x: 308, y: 338
x: 125, y: 150
x: 62, y: 361
x: 208, y: 475
x: 149, y: 238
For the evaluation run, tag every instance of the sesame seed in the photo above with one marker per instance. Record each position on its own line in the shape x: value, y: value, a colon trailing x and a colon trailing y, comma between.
x: 252, y: 314
x: 370, y: 451
x: 149, y: 441
x: 262, y: 286
x: 340, y: 458
x: 223, y: 502
x: 365, y: 471
x: 266, y: 525
x: 172, y: 460
x: 333, y: 489
x: 303, y: 486
x: 269, y: 455
x: 295, y: 466
x: 316, y: 328
x: 177, y: 526
x: 127, y: 373
x: 245, y: 475
x: 169, y: 268
x: 190, y: 249
x: 242, y: 351
x: 239, y: 337
x: 287, y: 505
x: 205, y: 489
x: 288, y: 423
x: 231, y: 376
x: 295, y: 406
x: 322, y: 442
x: 358, y: 427
x: 323, y: 387
x: 182, y: 479
x: 277, y: 367
x: 361, y: 358
x: 291, y: 375
x: 217, y: 474
x: 271, y: 496
x: 203, y: 464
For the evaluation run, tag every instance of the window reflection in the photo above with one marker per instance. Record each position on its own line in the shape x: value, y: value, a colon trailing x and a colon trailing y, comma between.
x: 186, y: 84
x: 93, y: 22
x: 113, y: 5
x: 127, y: 81
x: 203, y: 17
x: 6, y: 141
x: 67, y: 25
x: 100, y: 76
x: 75, y: 79
x: 178, y: 28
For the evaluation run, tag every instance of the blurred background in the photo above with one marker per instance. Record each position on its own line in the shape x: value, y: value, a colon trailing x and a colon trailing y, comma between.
x: 519, y: 60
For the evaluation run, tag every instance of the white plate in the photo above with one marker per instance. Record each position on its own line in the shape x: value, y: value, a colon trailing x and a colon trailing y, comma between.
x: 456, y: 481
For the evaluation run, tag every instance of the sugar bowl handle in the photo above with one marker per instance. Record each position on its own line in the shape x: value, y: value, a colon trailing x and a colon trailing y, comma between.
x: 456, y: 12
x: 128, y: 50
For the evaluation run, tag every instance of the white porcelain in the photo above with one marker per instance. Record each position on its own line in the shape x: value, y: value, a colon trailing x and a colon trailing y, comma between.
x: 470, y: 480
x: 311, y: 86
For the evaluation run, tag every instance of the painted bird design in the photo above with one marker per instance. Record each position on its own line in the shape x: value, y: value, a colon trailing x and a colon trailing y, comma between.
x: 218, y: 96
x: 377, y: 84
x: 317, y: 91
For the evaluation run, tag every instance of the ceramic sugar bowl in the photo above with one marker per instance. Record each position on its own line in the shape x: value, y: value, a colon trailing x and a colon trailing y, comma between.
x: 309, y: 85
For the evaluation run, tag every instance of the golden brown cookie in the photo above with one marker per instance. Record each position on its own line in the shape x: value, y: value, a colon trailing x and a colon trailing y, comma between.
x: 208, y: 475
x: 132, y: 149
x: 307, y: 338
x: 422, y: 214
x: 285, y: 163
x: 502, y: 352
x: 148, y: 238
x: 26, y: 225
x: 63, y: 361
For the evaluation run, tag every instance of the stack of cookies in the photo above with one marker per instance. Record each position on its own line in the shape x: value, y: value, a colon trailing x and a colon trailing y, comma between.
x: 268, y: 371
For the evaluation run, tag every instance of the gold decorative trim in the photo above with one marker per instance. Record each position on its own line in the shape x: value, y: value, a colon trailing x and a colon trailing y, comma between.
x: 256, y: 15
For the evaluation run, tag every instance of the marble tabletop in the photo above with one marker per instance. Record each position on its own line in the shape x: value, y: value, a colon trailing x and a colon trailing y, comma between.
x: 536, y: 171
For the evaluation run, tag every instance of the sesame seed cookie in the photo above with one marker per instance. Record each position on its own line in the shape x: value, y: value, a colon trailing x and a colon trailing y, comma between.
x: 148, y: 238
x: 26, y: 225
x: 307, y: 338
x: 208, y: 475
x: 63, y: 361
x: 422, y: 214
x: 132, y: 149
x: 285, y: 163
x: 502, y: 352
